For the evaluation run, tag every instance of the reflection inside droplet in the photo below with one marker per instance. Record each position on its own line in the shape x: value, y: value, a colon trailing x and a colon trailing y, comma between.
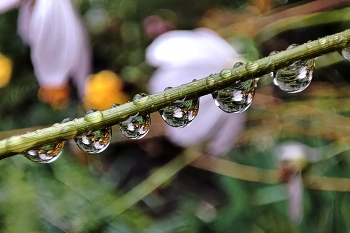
x: 45, y: 154
x: 135, y: 127
x: 236, y: 98
x: 180, y: 113
x: 96, y: 141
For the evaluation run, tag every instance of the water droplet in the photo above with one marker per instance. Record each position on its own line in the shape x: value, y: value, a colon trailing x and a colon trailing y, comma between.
x: 225, y: 73
x: 308, y: 46
x: 180, y: 113
x: 65, y: 120
x: 345, y: 53
x: 45, y: 154
x: 94, y: 142
x: 273, y: 73
x: 292, y: 46
x: 168, y: 91
x: 236, y: 98
x: 238, y: 64
x: 341, y: 37
x: 135, y: 127
x: 336, y: 37
x: 251, y: 66
x: 93, y: 116
x: 295, y: 77
x: 322, y: 41
x: 193, y: 83
x: 67, y: 131
x: 210, y: 81
x: 140, y: 99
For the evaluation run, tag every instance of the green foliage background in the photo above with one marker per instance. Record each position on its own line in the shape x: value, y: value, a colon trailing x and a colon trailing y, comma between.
x: 75, y: 193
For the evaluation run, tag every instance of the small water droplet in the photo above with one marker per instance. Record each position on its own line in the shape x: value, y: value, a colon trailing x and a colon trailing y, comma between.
x: 140, y: 99
x: 308, y: 46
x: 193, y: 83
x: 115, y: 105
x: 292, y: 46
x: 345, y: 53
x: 225, y: 73
x: 322, y: 41
x: 180, y: 113
x: 341, y: 38
x: 67, y: 131
x: 65, y: 120
x: 238, y: 64
x: 45, y: 154
x: 295, y: 77
x: 135, y: 127
x: 251, y: 66
x: 210, y: 81
x: 273, y: 73
x: 94, y: 142
x: 269, y: 63
x: 93, y: 116
x: 168, y: 92
x: 236, y: 98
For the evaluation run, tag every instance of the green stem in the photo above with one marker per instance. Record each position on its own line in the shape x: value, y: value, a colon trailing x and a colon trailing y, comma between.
x: 152, y: 103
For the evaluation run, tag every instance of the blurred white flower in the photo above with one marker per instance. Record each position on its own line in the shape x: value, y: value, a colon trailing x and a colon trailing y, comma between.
x: 182, y: 56
x: 293, y: 157
x: 58, y: 41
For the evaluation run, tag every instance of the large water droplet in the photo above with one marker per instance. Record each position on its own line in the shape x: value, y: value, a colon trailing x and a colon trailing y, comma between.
x: 94, y: 142
x: 345, y: 53
x: 135, y: 127
x: 236, y: 98
x: 295, y: 77
x: 45, y: 154
x: 181, y: 113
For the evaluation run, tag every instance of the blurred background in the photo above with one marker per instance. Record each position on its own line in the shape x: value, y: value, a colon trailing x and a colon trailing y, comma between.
x: 244, y: 189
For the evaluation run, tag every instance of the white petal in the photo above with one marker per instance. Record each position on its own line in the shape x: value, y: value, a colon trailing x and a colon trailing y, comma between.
x: 225, y: 134
x: 237, y: 95
x: 131, y: 126
x: 302, y: 72
x: 24, y: 16
x: 295, y: 198
x: 59, y: 44
x: 178, y: 113
x: 177, y: 48
x: 6, y: 5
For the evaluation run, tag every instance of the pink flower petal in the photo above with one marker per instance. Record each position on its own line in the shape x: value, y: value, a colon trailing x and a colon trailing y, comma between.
x: 6, y: 5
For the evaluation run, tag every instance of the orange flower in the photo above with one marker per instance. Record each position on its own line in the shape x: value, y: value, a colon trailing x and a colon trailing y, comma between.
x: 56, y: 97
x: 102, y: 90
x: 5, y: 70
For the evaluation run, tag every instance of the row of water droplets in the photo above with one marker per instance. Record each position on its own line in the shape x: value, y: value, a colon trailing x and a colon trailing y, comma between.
x: 233, y: 99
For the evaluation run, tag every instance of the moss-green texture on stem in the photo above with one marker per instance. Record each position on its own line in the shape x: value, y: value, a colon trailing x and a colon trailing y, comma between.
x: 152, y: 103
